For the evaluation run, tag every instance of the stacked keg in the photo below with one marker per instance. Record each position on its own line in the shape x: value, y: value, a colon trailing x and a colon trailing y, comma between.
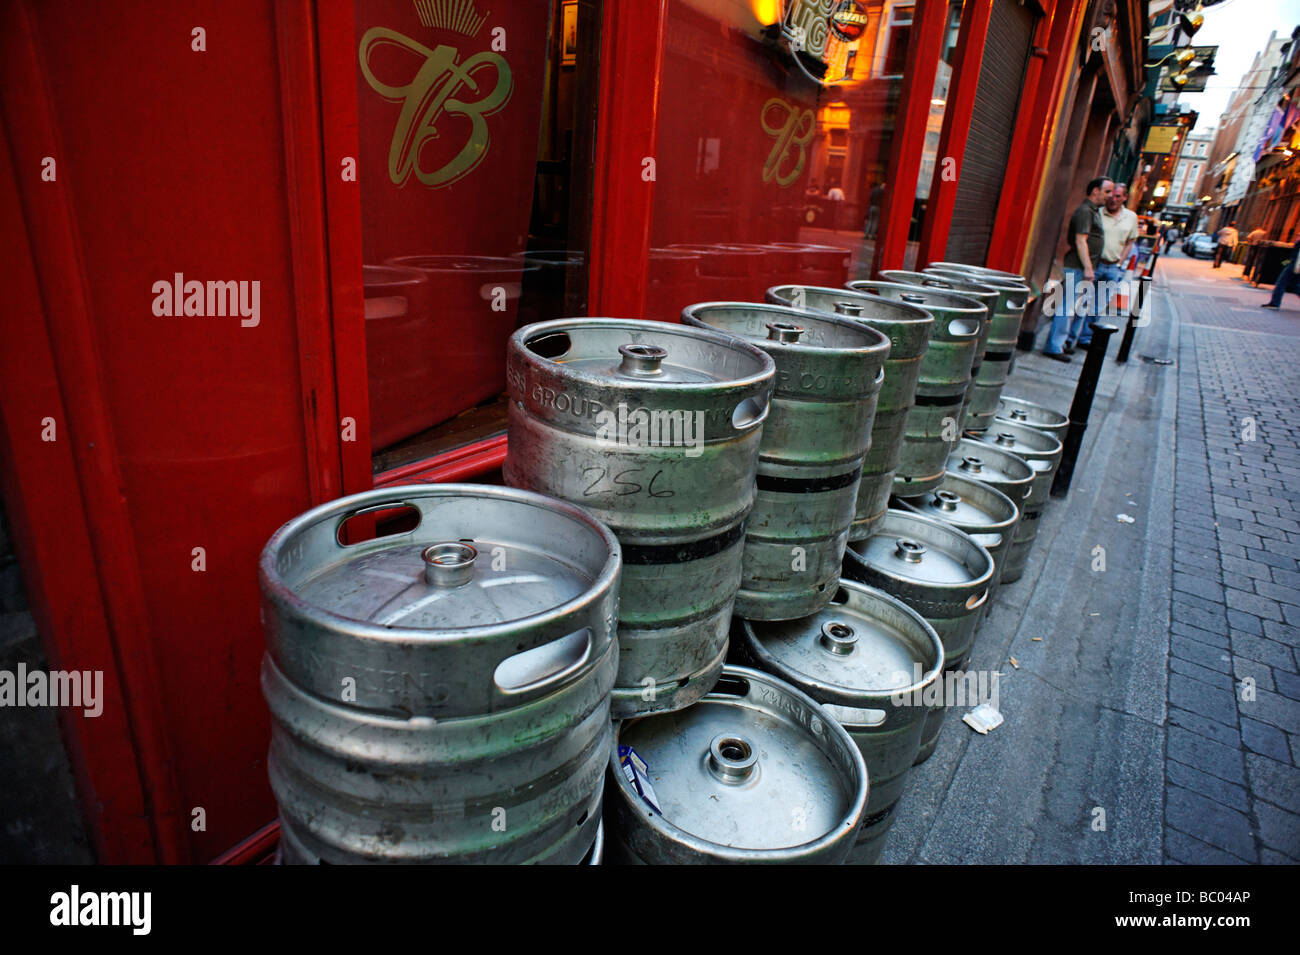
x: 908, y: 328
x: 1004, y: 331
x: 868, y: 658
x: 1042, y: 452
x: 938, y: 571
x: 934, y: 419
x: 441, y: 693
x: 966, y: 287
x: 654, y: 429
x: 818, y: 429
x: 691, y: 629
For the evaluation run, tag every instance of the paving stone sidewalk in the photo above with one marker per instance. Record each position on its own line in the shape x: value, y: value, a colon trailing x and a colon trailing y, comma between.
x: 1233, y: 736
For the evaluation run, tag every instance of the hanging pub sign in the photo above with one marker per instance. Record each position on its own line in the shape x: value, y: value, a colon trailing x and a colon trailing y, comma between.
x: 821, y: 36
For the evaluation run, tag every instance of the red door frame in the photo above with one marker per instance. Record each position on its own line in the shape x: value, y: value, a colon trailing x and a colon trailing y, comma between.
x: 956, y: 129
x: 1035, y: 126
x: 905, y: 152
x: 71, y: 526
x: 627, y: 127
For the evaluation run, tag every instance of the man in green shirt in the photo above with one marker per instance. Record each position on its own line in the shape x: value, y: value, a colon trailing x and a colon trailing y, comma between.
x: 1084, y: 236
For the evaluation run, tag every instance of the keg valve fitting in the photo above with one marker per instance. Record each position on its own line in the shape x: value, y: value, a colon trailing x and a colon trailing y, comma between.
x: 641, y: 361
x: 449, y: 564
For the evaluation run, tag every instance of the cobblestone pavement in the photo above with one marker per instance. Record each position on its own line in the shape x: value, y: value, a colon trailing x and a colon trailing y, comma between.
x: 1233, y: 739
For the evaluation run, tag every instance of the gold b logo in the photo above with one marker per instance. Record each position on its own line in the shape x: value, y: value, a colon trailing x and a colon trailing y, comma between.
x: 792, y: 129
x: 432, y: 91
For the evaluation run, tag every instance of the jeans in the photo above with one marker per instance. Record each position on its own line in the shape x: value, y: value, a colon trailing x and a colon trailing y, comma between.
x: 1070, y: 318
x: 1111, y: 272
x: 1287, y: 281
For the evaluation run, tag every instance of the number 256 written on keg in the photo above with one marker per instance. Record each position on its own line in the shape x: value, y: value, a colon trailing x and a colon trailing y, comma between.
x: 621, y: 483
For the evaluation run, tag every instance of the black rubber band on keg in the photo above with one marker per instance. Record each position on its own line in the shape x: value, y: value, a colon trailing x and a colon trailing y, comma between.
x: 644, y: 555
x: 878, y: 816
x: 926, y: 401
x: 782, y: 485
x: 998, y: 355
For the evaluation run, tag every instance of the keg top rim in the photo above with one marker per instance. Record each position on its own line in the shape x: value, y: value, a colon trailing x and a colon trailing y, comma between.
x: 889, y: 633
x: 327, y: 519
x: 971, y: 515
x: 873, y: 343
x: 1029, y: 442
x: 951, y: 561
x: 962, y: 284
x: 646, y: 332
x: 901, y: 312
x: 1045, y: 415
x: 763, y: 720
x: 949, y: 300
x: 998, y: 463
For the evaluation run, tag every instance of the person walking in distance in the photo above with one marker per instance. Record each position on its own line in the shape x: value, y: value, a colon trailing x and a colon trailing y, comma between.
x: 1084, y: 236
x: 1227, y: 242
x: 1171, y: 236
x: 875, y: 199
x: 1288, y: 280
x: 1120, y: 229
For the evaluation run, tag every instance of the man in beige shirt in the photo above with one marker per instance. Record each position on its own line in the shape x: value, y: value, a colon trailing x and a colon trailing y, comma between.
x: 1227, y: 243
x: 1119, y: 227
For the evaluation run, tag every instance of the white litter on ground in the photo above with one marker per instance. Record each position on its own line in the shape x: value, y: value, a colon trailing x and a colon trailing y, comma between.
x: 1126, y: 518
x: 983, y: 718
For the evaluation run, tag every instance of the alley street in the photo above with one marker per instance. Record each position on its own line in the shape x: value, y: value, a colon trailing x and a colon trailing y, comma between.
x: 1152, y: 709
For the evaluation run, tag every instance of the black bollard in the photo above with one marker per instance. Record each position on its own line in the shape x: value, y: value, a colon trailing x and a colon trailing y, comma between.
x: 1126, y: 343
x: 1079, y: 410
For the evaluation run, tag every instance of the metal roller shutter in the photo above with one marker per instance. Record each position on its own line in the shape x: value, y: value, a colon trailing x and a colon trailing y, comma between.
x: 979, y: 181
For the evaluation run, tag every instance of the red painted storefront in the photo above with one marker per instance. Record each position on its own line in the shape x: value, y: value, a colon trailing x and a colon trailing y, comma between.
x: 378, y: 168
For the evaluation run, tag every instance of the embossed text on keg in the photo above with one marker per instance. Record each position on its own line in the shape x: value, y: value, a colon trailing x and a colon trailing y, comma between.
x: 579, y: 406
x: 652, y: 428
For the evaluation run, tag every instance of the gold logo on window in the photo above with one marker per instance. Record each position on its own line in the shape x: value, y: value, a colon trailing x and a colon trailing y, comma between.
x: 435, y: 90
x: 792, y: 128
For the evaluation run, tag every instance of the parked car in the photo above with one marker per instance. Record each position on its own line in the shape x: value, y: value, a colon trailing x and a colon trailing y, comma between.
x: 1199, y: 244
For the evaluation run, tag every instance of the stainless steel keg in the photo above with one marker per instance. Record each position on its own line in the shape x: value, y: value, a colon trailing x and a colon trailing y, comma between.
x: 439, y: 693
x: 868, y: 658
x: 908, y: 329
x: 1042, y: 452
x: 655, y: 428
x: 828, y: 375
x: 1020, y: 411
x: 755, y: 772
x: 1004, y: 331
x: 940, y: 573
x: 967, y: 287
x: 934, y: 419
x: 977, y: 509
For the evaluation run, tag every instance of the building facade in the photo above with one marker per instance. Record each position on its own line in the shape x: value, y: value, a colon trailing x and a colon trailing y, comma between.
x: 392, y: 187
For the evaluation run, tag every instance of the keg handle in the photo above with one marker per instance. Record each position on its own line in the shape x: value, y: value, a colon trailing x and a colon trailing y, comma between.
x: 393, y: 505
x: 973, y: 602
x: 544, y: 666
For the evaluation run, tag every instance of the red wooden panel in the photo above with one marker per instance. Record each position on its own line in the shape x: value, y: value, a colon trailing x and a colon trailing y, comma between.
x: 956, y: 125
x: 923, y: 54
x: 632, y: 50
x: 208, y: 431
